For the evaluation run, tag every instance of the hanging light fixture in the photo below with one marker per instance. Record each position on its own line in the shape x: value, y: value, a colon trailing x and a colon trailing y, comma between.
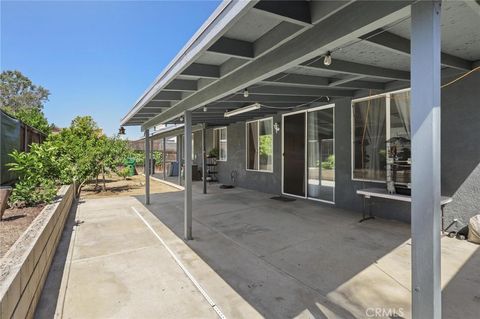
x: 121, y: 130
x: 205, y: 109
x: 181, y: 118
x: 328, y: 59
x: 245, y: 92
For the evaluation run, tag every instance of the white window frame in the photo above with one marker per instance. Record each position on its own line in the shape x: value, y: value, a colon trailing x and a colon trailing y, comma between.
x: 258, y: 145
x: 387, y: 96
x: 215, y: 134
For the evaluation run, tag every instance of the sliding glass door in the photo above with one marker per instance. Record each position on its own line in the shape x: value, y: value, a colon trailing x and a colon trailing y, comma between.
x: 320, y: 155
x: 309, y: 154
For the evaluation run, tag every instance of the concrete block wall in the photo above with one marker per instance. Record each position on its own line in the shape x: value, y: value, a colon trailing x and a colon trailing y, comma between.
x: 24, y: 268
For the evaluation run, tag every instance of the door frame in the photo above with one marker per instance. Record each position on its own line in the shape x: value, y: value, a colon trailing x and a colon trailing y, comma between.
x: 305, y: 173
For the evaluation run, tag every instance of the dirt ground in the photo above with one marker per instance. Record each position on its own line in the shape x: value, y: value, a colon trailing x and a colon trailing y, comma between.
x: 15, y: 221
x: 117, y: 186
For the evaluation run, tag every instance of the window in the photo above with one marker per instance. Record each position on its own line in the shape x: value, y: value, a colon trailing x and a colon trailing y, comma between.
x: 374, y: 121
x: 260, y: 145
x: 220, y: 142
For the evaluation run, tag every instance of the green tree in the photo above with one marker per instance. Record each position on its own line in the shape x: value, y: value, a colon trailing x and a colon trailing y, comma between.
x: 34, y: 118
x: 17, y: 91
x: 22, y: 99
x: 76, y: 155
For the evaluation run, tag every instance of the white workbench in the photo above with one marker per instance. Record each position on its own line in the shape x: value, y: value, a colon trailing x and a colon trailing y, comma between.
x: 368, y: 193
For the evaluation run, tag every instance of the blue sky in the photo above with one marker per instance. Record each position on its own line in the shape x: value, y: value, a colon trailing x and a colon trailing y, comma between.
x: 96, y: 57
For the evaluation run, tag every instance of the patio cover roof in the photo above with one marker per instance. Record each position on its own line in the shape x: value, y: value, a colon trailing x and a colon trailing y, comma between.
x: 276, y: 50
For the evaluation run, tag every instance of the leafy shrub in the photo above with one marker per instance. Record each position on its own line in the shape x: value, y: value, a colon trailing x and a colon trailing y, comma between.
x: 124, y: 172
x: 35, y: 171
x: 329, y: 163
x: 74, y: 156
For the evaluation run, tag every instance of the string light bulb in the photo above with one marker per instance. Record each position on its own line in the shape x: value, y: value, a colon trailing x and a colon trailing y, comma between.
x: 328, y: 59
x: 245, y: 92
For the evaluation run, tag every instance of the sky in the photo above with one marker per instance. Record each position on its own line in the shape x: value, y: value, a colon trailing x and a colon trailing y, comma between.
x: 96, y: 57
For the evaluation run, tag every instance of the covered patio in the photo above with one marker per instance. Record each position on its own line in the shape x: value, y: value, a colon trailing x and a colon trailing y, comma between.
x: 301, y: 98
x: 299, y: 260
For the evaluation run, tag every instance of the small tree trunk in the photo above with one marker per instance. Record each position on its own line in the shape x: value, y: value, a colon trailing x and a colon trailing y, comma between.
x: 103, y: 177
x: 96, y: 182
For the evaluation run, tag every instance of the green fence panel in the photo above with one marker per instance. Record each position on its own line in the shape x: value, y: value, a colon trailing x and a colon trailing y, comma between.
x: 9, y: 141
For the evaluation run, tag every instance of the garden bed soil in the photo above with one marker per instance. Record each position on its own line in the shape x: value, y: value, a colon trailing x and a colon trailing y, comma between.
x: 117, y: 186
x: 15, y: 221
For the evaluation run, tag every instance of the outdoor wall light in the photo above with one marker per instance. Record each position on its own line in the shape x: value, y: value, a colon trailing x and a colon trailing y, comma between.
x: 121, y: 130
x: 328, y: 59
x: 205, y: 109
x: 181, y: 118
x: 245, y: 92
x: 276, y: 126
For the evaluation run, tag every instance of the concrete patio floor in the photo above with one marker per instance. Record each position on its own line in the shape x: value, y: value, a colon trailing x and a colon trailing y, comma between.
x: 303, y: 259
x: 118, y: 263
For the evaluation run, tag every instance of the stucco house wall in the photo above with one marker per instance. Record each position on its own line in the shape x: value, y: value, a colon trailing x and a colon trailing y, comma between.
x: 460, y: 157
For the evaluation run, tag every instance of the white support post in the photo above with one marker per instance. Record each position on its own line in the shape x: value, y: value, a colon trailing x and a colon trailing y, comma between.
x: 188, y: 174
x: 425, y: 110
x: 164, y: 157
x: 179, y: 158
x: 152, y: 165
x: 147, y: 167
x: 204, y: 160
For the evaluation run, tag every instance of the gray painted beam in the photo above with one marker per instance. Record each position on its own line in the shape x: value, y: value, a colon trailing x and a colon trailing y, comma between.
x: 281, y: 33
x: 253, y: 98
x: 155, y: 104
x: 333, y: 32
x: 321, y: 10
x: 426, y: 179
x: 179, y: 158
x: 345, y: 80
x: 204, y: 160
x: 182, y: 85
x: 147, y: 167
x: 187, y: 118
x: 293, y: 11
x: 225, y: 16
x: 202, y: 70
x: 300, y: 80
x: 357, y: 69
x: 231, y: 65
x: 232, y: 47
x: 299, y: 91
x: 401, y: 45
x: 168, y: 96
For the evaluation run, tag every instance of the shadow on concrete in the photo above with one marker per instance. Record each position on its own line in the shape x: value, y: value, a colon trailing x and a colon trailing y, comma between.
x: 461, y: 295
x: 289, y: 259
x: 51, y: 291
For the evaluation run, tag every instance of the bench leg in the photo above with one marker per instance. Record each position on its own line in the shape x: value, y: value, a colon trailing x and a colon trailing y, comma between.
x: 364, y: 216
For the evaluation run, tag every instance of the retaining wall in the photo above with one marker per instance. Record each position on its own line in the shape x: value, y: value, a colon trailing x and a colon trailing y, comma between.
x: 24, y: 268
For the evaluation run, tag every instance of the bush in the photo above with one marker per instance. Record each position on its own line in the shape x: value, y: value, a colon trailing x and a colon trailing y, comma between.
x: 124, y: 172
x: 329, y: 163
x: 74, y: 156
x: 35, y: 171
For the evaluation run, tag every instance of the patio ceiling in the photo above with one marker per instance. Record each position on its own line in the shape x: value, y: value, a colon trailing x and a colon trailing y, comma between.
x: 276, y: 50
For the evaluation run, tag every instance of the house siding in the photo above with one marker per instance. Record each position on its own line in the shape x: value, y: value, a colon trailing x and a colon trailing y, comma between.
x: 460, y: 158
